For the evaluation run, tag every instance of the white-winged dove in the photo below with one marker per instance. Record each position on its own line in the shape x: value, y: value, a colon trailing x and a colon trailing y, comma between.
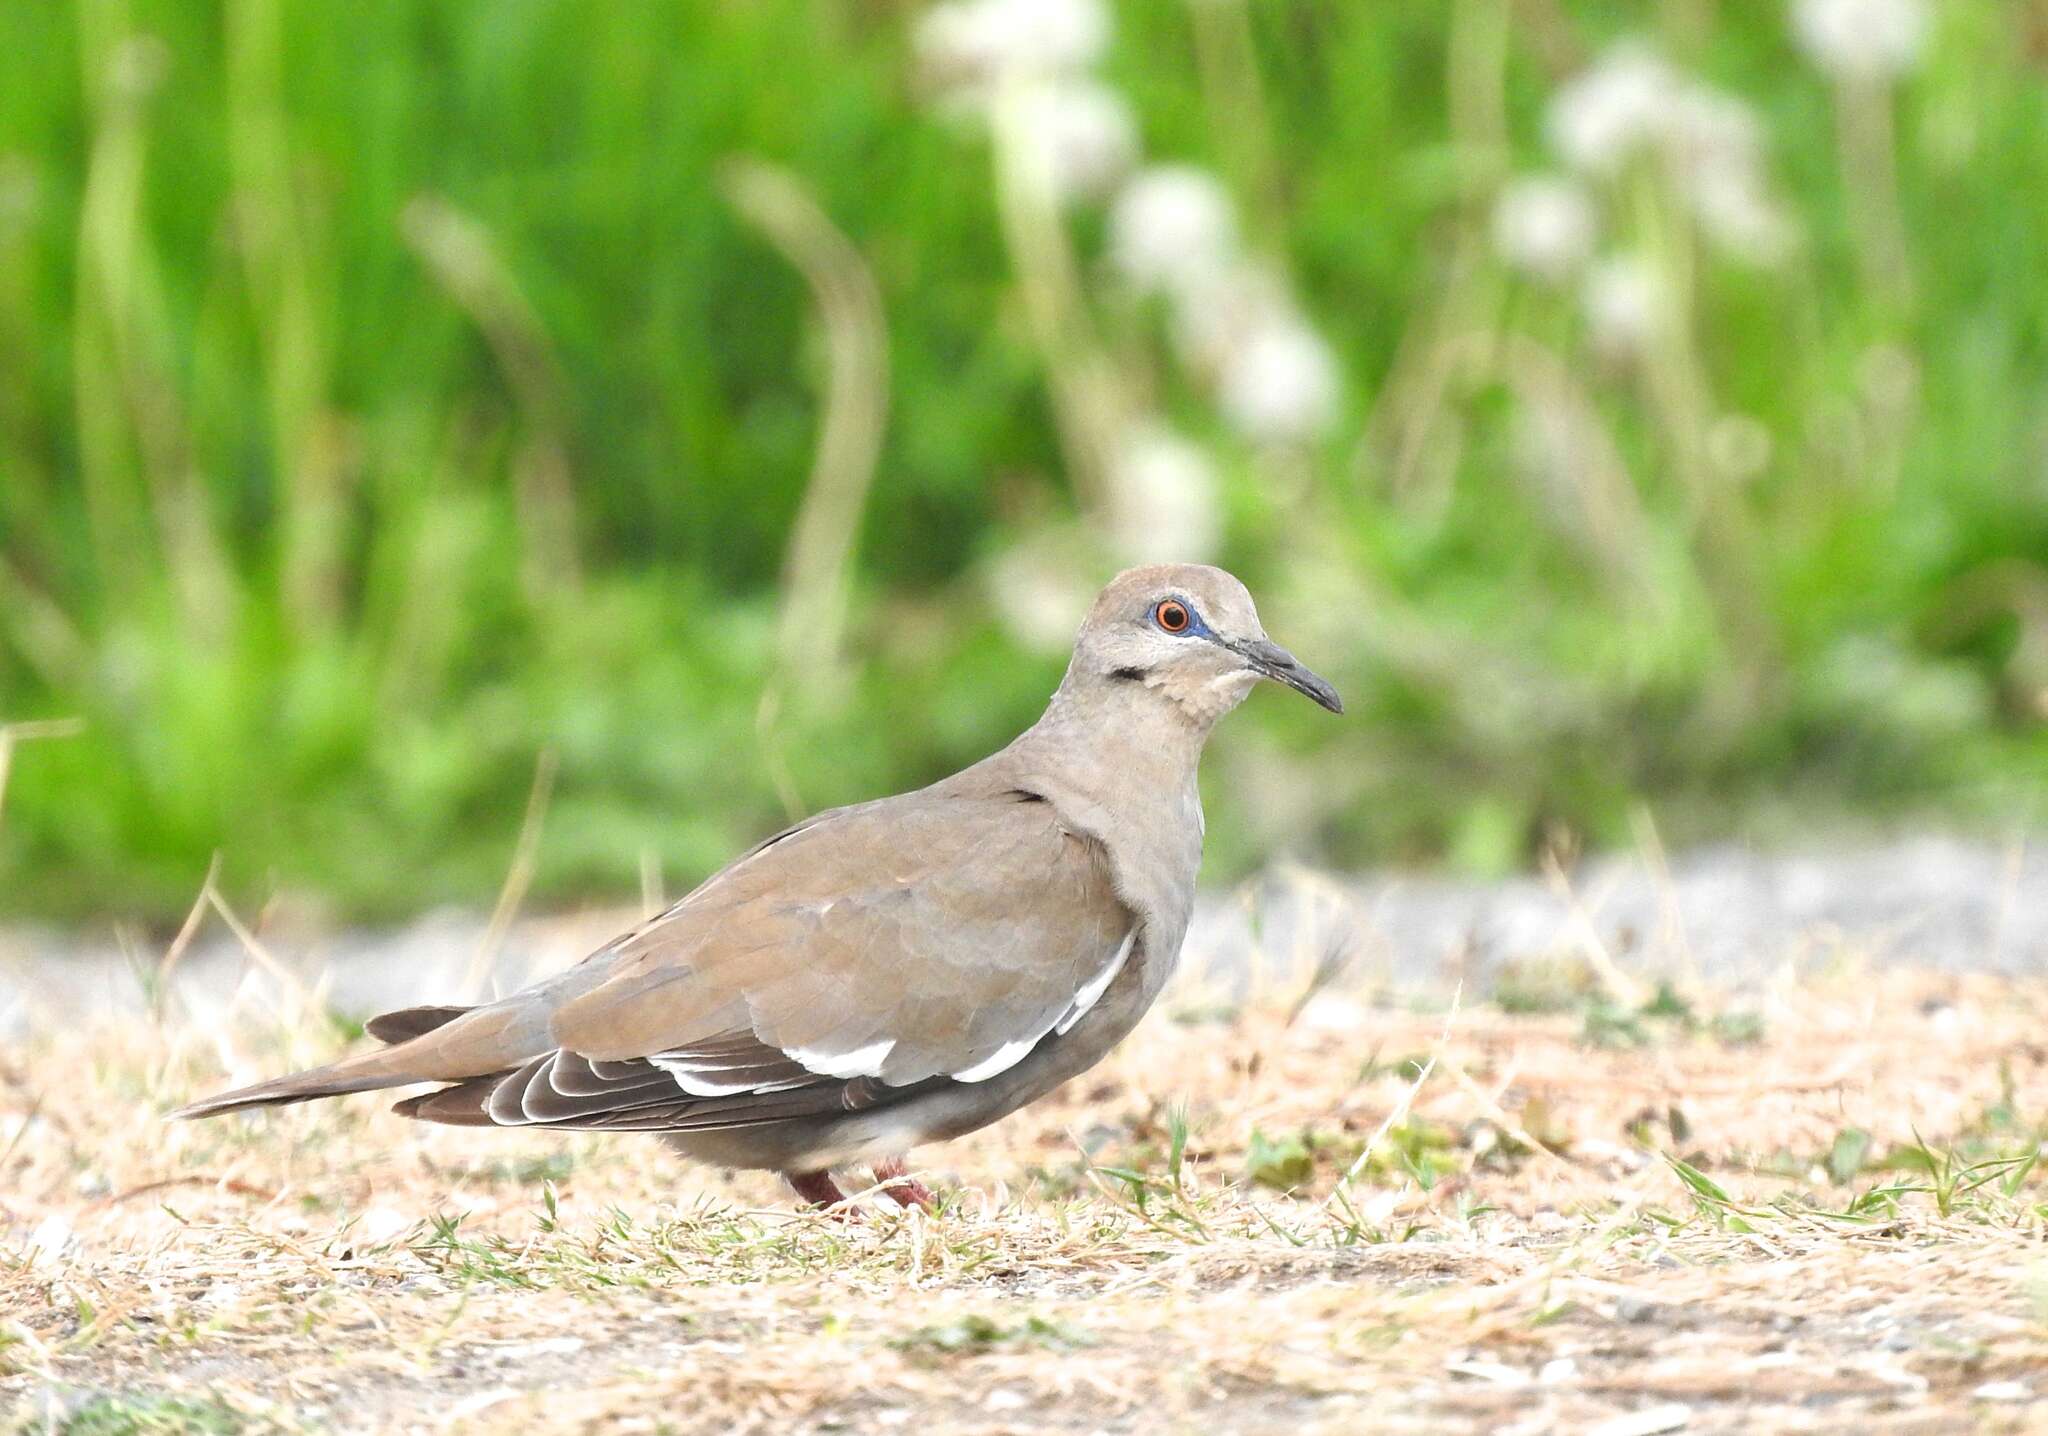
x: 894, y: 972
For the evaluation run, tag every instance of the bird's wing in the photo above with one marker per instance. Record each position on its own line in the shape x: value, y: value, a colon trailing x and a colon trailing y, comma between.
x: 845, y: 963
x: 921, y: 937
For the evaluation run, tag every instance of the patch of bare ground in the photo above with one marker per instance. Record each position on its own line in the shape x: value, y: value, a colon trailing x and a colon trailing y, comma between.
x: 1574, y: 1207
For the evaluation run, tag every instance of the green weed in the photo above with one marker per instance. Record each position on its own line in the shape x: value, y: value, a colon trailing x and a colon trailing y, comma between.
x: 343, y: 476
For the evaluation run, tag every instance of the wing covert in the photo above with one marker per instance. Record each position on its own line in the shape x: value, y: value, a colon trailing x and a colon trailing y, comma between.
x: 912, y: 938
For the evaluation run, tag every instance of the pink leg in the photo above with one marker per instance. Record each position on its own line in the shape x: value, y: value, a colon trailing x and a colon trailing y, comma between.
x: 818, y: 1189
x: 903, y: 1189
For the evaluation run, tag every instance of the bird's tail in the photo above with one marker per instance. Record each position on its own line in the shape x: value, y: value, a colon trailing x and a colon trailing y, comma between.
x: 391, y: 1066
x: 330, y: 1081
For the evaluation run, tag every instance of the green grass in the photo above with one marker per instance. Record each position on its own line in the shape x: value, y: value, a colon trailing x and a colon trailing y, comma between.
x: 154, y: 1416
x: 392, y: 397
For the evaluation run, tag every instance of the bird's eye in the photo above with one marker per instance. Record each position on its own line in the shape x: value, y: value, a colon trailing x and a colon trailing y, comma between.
x: 1172, y: 615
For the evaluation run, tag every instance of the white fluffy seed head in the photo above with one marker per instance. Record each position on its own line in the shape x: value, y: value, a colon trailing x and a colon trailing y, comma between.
x: 1216, y: 312
x: 1710, y: 145
x: 1715, y: 146
x: 1039, y: 591
x: 1052, y: 35
x: 1164, y: 505
x: 1862, y: 39
x: 1606, y: 115
x: 1624, y: 302
x: 1544, y: 225
x: 1172, y: 228
x: 1089, y: 133
x: 953, y: 47
x: 1280, y: 385
x: 971, y: 44
x: 1738, y: 215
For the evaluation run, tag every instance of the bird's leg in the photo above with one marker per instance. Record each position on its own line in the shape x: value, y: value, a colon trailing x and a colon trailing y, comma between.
x: 818, y: 1189
x: 893, y: 1173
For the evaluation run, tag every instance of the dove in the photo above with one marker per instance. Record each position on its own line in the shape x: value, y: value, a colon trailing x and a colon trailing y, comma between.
x: 893, y: 973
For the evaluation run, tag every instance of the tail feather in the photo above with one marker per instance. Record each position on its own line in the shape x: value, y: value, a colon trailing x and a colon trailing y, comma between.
x: 334, y: 1081
x: 429, y: 1044
x: 410, y: 1022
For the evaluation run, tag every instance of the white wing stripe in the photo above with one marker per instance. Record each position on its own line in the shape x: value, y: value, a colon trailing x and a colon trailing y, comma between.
x: 860, y: 1062
x: 1001, y: 1060
x: 1088, y: 996
x: 698, y: 1081
x: 696, y: 1085
x: 1011, y: 1053
x: 699, y: 1077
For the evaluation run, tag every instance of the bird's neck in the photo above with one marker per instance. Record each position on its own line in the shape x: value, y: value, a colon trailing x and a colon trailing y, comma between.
x: 1119, y: 763
x: 1126, y: 726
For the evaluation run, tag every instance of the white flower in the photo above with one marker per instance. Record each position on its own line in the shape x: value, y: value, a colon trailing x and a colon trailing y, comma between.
x: 1239, y: 332
x: 1624, y: 302
x: 1715, y: 144
x: 1172, y: 228
x: 1280, y: 385
x: 1163, y: 499
x: 1217, y: 311
x: 970, y: 44
x: 1090, y: 136
x: 955, y: 46
x: 1632, y: 103
x: 1603, y: 117
x: 1051, y: 35
x: 1705, y: 127
x: 1544, y: 225
x: 1038, y: 592
x: 1735, y: 212
x: 1862, y: 39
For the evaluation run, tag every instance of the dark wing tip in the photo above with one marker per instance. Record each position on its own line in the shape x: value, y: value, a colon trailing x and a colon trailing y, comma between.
x: 463, y: 1104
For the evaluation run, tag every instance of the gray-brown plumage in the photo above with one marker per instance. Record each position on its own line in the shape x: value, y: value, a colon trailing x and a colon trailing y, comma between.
x: 891, y: 973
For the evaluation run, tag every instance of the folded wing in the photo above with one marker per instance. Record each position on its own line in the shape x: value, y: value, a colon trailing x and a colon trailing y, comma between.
x: 863, y: 957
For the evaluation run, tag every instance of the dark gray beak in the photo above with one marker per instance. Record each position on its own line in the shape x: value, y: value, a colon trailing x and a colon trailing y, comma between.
x: 1269, y: 660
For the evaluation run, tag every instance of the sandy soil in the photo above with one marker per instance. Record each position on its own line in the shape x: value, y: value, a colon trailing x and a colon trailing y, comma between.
x: 1576, y: 1202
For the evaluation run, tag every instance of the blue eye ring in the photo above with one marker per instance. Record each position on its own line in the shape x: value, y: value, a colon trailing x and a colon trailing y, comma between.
x: 1171, y: 615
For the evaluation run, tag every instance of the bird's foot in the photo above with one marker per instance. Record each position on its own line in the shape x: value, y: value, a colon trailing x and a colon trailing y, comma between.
x: 893, y: 1175
x: 821, y: 1192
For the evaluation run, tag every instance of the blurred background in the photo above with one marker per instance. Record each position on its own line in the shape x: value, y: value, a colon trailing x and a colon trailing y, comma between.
x: 435, y: 430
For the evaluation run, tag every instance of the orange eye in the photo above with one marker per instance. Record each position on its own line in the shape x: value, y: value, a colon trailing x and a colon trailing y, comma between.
x: 1172, y: 615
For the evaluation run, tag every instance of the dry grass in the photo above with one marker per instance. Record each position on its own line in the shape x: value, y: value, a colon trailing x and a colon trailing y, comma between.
x: 1851, y: 1240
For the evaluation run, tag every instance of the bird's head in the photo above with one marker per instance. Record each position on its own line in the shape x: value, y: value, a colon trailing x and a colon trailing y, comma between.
x: 1190, y: 632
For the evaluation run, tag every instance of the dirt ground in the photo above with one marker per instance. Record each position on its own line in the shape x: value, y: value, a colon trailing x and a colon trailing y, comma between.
x: 1573, y: 1203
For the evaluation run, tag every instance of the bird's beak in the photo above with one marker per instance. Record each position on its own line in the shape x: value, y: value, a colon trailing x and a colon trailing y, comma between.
x: 1269, y: 660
